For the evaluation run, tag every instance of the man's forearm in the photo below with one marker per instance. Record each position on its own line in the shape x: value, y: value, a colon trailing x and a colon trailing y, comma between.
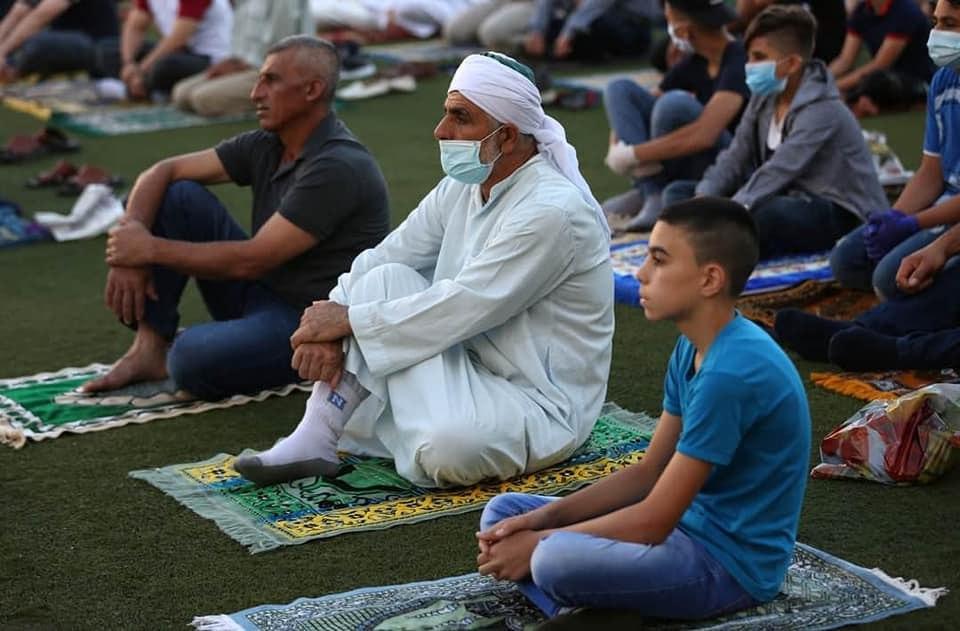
x: 30, y: 25
x: 148, y: 192
x: 17, y: 12
x: 949, y: 241
x: 921, y: 191
x: 623, y: 488
x: 684, y: 141
x: 215, y: 260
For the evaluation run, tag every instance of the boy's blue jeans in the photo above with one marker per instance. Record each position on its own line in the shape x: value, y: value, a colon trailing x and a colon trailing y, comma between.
x: 247, y: 348
x: 677, y: 579
x: 637, y: 116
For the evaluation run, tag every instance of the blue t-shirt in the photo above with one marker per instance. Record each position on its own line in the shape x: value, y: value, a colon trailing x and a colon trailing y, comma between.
x: 691, y: 74
x: 745, y: 411
x: 902, y: 19
x: 941, y: 136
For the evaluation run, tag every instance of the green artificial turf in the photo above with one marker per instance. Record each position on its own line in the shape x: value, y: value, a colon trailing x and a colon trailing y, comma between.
x: 82, y: 546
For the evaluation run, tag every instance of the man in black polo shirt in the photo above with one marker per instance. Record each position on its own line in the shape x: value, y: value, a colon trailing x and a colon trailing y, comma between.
x: 319, y: 199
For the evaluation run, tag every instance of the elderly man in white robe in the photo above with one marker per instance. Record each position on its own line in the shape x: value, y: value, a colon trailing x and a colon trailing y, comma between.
x: 474, y: 342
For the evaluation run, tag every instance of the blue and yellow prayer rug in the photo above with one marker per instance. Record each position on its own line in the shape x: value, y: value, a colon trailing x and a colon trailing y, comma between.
x: 772, y: 275
x: 820, y: 592
x: 368, y: 494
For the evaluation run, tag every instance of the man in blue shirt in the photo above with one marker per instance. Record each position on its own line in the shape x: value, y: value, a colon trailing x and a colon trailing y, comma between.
x: 869, y: 257
x: 706, y: 522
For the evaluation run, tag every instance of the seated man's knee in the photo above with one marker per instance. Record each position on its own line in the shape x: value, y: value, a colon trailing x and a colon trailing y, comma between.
x: 674, y: 109
x: 554, y: 563
x: 452, y: 457
x: 387, y: 281
x: 192, y: 365
x: 885, y: 277
x: 502, y: 507
x: 618, y: 91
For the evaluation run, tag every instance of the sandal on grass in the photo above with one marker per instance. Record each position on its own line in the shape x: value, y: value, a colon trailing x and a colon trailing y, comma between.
x: 84, y: 176
x: 49, y: 140
x: 53, y: 177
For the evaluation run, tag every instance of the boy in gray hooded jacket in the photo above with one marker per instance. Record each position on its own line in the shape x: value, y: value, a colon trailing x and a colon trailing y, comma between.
x: 798, y: 160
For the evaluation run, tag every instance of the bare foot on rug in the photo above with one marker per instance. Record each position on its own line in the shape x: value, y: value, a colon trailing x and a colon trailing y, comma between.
x: 145, y: 361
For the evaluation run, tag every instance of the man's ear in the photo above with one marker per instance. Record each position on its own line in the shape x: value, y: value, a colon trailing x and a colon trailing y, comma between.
x: 713, y: 280
x: 509, y: 136
x: 316, y: 89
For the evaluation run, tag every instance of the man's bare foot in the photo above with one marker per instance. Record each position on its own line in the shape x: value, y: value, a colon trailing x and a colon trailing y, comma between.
x: 145, y: 361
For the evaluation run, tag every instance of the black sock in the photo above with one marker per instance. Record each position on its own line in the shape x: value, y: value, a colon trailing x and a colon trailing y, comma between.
x: 861, y: 349
x: 807, y: 334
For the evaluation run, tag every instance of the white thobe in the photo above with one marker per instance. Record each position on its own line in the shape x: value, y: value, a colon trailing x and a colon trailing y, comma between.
x: 482, y: 330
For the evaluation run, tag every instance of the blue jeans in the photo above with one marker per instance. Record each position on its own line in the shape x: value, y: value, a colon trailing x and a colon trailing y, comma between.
x: 49, y: 52
x: 852, y: 268
x: 636, y: 116
x: 247, y: 347
x: 676, y: 579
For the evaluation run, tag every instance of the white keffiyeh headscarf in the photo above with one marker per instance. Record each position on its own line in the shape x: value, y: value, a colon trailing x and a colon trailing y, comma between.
x: 501, y: 90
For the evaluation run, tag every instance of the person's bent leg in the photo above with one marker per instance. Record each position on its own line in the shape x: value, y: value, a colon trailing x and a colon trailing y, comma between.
x: 188, y: 212
x: 506, y: 28
x: 182, y: 92
x: 629, y: 107
x: 229, y: 94
x: 884, y: 278
x: 679, y: 191
x: 462, y: 28
x: 795, y: 224
x: 510, y: 505
x: 676, y: 579
x: 242, y: 355
x: 50, y: 52
x: 849, y: 262
x: 168, y: 70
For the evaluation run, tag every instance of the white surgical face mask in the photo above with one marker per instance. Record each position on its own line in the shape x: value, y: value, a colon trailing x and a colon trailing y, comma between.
x: 683, y: 44
x: 944, y: 48
x: 460, y: 159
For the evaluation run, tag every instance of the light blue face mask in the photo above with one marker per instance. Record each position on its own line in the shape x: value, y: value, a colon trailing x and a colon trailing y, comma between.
x: 944, y: 48
x: 762, y: 78
x: 460, y: 159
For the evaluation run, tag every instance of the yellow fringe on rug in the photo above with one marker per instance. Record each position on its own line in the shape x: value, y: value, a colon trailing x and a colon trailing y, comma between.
x: 844, y: 384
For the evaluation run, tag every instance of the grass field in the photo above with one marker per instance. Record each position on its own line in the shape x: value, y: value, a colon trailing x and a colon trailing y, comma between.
x: 82, y: 546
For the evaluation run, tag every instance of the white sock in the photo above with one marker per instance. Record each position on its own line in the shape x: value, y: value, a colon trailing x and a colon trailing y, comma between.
x: 319, y: 430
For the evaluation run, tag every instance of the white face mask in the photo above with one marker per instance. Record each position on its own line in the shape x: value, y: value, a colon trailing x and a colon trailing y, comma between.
x: 682, y: 44
x: 944, y: 48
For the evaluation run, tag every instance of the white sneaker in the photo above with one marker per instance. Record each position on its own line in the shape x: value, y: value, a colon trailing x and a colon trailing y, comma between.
x: 403, y: 83
x: 366, y: 89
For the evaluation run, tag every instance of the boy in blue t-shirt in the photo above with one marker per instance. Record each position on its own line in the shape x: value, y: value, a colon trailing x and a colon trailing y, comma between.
x: 868, y: 258
x: 706, y: 522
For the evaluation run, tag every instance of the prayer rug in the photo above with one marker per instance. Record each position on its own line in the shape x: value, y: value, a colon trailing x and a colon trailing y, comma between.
x: 869, y: 386
x: 39, y: 406
x: 820, y: 592
x: 368, y: 494
x: 827, y: 300
x: 769, y: 276
x: 432, y: 50
x: 75, y: 105
x: 648, y: 78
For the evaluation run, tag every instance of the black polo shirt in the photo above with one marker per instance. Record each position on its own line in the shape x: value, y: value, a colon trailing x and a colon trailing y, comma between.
x: 898, y: 19
x: 334, y: 190
x: 96, y: 18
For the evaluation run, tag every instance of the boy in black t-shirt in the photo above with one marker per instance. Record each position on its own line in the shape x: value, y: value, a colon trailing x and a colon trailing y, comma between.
x: 895, y: 32
x: 675, y: 131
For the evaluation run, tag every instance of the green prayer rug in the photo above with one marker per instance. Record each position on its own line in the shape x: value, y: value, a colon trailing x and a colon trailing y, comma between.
x: 33, y: 408
x: 820, y: 592
x: 368, y: 494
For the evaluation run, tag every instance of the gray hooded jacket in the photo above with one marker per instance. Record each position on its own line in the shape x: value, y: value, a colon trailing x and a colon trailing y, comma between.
x: 822, y: 152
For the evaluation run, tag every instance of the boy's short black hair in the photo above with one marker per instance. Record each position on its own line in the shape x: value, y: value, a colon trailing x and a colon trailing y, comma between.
x: 721, y: 231
x: 791, y: 28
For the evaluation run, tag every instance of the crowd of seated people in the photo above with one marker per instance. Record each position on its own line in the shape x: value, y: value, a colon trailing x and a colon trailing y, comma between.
x: 498, y: 285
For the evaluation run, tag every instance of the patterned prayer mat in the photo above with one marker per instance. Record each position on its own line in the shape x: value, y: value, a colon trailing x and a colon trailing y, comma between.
x: 431, y: 50
x: 882, y: 385
x: 368, y: 494
x: 36, y: 408
x: 828, y: 300
x: 75, y: 105
x: 772, y: 275
x: 648, y: 78
x: 820, y: 592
